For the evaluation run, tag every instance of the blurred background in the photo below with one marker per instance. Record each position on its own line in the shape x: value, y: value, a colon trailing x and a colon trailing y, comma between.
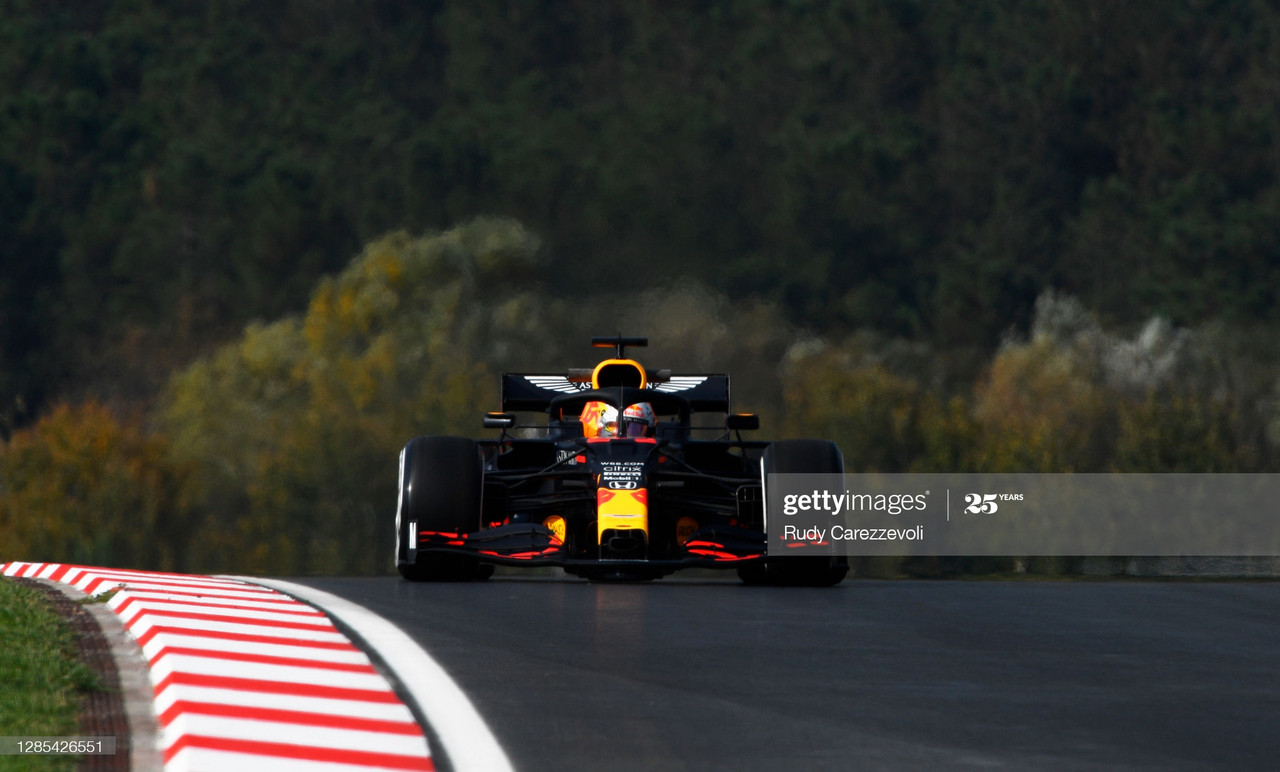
x: 248, y: 250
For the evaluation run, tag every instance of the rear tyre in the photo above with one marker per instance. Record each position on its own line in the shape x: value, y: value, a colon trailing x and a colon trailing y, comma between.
x: 799, y: 457
x: 441, y: 485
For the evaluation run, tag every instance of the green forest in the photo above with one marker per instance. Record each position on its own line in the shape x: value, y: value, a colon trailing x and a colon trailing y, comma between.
x: 248, y: 249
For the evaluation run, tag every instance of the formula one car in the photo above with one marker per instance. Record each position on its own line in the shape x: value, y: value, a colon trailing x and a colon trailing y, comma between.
x: 625, y: 479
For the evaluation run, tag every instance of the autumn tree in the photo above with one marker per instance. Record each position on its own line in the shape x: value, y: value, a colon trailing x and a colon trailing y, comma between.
x: 82, y: 486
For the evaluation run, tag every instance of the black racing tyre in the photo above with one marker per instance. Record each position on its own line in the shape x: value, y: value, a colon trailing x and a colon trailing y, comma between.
x: 441, y: 485
x: 799, y: 457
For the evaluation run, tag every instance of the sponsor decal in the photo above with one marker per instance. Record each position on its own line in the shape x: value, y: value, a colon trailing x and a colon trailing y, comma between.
x: 685, y: 528
x: 557, y: 525
x: 680, y: 383
x: 557, y: 383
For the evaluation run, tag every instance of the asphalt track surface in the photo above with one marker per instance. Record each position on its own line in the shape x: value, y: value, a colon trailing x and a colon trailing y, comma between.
x: 694, y: 675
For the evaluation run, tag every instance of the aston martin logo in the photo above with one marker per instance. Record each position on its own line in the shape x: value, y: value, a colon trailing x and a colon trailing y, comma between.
x: 557, y: 383
x: 562, y: 385
x: 680, y: 383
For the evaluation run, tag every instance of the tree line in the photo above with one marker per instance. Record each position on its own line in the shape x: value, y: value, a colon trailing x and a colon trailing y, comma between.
x: 170, y: 172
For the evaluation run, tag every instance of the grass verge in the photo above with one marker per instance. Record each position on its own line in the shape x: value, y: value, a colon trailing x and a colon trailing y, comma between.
x: 41, y: 680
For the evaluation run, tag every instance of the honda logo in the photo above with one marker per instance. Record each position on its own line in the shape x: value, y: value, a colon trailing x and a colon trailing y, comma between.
x: 624, y: 485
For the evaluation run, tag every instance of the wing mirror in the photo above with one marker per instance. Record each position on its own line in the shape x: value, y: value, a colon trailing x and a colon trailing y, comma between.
x: 742, y: 422
x: 499, y: 420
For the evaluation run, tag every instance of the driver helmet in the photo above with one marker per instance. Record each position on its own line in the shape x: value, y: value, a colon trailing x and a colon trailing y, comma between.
x: 638, y: 420
x: 600, y: 419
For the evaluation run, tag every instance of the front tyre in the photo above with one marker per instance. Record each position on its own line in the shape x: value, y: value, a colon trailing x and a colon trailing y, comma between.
x: 799, y: 457
x: 441, y: 485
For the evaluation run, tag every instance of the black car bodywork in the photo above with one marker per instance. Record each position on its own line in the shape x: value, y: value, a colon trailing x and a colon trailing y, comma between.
x: 692, y: 494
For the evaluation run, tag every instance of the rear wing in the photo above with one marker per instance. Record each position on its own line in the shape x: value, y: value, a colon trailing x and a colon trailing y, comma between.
x: 534, y: 391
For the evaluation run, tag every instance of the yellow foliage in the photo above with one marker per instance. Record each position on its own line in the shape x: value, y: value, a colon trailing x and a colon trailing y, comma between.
x: 869, y: 412
x: 1175, y: 433
x: 1039, y: 409
x: 294, y: 429
x: 83, y: 487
